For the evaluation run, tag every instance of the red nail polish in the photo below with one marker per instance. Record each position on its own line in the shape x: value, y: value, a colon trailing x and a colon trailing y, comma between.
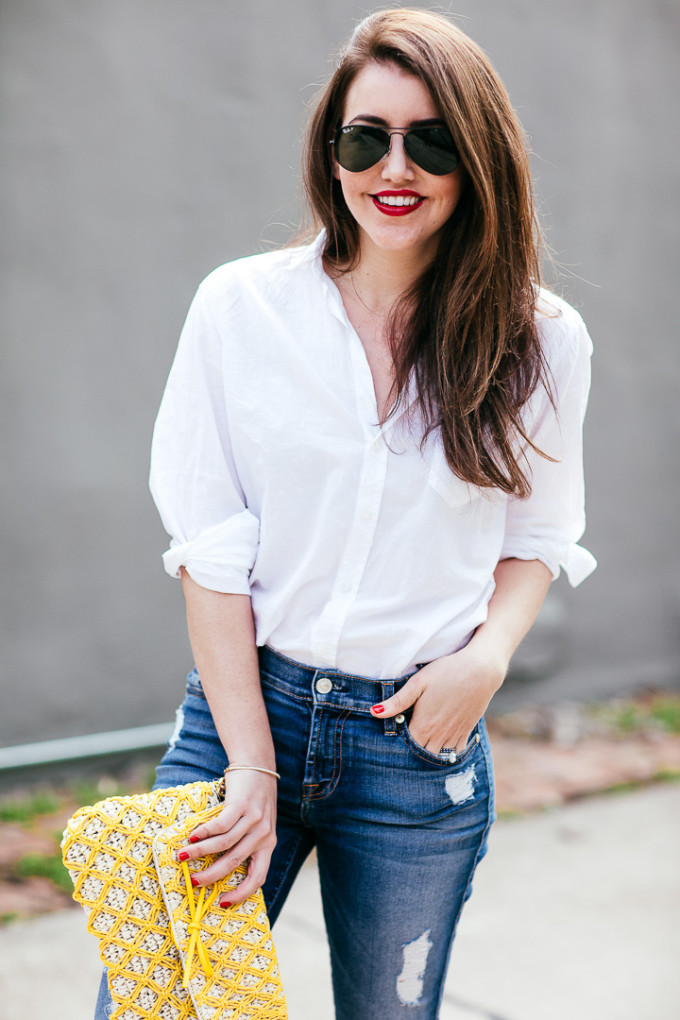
x: 378, y: 709
x: 225, y: 903
x: 184, y: 856
x: 194, y: 839
x: 194, y: 881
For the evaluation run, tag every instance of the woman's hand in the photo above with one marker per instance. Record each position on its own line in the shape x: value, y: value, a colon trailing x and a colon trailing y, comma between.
x: 245, y: 828
x: 449, y: 696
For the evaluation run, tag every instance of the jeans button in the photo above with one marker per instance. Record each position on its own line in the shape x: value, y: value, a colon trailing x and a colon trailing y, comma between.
x: 400, y: 718
x: 324, y: 685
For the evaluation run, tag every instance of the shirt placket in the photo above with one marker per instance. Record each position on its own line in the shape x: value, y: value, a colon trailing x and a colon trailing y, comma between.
x: 328, y: 628
x: 326, y: 632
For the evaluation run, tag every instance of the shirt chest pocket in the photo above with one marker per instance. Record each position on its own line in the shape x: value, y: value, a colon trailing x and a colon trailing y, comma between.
x: 467, y: 502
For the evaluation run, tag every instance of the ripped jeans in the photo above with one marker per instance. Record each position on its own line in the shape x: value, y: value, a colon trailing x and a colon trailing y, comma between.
x: 398, y: 830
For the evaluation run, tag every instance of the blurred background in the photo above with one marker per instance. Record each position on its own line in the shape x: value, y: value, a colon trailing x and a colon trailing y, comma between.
x: 142, y: 144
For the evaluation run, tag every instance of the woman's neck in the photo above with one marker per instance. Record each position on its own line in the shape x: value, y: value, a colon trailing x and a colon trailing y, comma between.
x: 381, y: 277
x: 369, y: 293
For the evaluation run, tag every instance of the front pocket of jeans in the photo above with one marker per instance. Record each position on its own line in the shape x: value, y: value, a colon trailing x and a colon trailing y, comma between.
x: 434, y: 759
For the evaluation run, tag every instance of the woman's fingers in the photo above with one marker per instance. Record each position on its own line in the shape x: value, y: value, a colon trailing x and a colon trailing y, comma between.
x: 399, y: 702
x: 215, y: 835
x: 438, y: 720
x: 223, y: 822
x: 250, y: 805
x: 243, y: 831
x: 452, y: 742
x: 251, y: 847
x: 452, y: 695
x: 257, y: 872
x: 217, y: 844
x: 440, y: 731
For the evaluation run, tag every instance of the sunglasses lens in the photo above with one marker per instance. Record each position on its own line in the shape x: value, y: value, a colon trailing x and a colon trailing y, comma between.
x: 432, y: 149
x: 358, y: 147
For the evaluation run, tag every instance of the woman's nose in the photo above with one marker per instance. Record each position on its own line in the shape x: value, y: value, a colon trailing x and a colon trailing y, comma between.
x: 397, y: 165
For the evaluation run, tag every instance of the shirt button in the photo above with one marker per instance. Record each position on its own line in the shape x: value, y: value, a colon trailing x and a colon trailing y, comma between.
x: 346, y: 586
x: 365, y: 515
x: 400, y: 718
x: 324, y: 685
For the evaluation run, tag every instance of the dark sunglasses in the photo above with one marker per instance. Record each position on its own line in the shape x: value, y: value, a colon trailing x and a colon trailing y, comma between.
x: 360, y: 146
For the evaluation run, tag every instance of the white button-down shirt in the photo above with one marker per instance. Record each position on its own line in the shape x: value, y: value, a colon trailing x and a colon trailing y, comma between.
x: 274, y: 478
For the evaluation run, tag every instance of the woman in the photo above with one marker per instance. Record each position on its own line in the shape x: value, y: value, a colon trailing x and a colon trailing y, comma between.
x: 368, y: 457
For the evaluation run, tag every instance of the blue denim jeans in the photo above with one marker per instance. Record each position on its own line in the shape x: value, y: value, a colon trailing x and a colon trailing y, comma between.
x: 398, y: 830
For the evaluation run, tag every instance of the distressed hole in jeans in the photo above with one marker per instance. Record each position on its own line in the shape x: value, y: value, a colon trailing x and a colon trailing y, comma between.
x: 462, y: 787
x: 410, y: 981
x: 179, y: 723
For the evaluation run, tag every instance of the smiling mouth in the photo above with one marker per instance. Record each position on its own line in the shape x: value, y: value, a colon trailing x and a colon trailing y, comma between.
x: 397, y: 203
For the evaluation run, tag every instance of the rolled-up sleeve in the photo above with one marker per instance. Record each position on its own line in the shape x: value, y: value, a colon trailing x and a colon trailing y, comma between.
x: 193, y: 480
x: 548, y: 524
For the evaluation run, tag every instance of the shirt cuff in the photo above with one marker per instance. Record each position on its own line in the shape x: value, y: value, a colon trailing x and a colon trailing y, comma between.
x: 576, y: 561
x: 219, y: 558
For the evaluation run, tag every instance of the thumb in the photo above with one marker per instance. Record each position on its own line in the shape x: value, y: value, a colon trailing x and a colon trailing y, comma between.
x: 399, y: 702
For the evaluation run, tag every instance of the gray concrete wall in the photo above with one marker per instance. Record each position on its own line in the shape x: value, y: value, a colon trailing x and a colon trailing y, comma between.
x: 143, y: 142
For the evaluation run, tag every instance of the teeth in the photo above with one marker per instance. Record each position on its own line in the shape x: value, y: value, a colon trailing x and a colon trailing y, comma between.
x: 398, y: 199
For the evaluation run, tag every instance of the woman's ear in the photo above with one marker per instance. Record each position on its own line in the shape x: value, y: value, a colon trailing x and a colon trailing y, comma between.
x: 336, y: 167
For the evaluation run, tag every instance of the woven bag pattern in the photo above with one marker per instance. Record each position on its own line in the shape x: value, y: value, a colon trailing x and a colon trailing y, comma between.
x: 237, y: 942
x: 108, y: 850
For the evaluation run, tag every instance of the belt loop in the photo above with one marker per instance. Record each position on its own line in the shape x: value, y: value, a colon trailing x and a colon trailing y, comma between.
x: 389, y: 724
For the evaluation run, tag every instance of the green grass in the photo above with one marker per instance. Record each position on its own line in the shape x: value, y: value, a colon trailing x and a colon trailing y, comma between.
x: 656, y: 712
x: 665, y: 709
x: 89, y: 791
x: 625, y: 786
x: 25, y: 809
x: 41, y: 866
x: 628, y: 718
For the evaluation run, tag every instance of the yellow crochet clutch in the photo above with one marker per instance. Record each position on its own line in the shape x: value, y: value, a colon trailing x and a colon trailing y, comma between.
x: 171, y: 951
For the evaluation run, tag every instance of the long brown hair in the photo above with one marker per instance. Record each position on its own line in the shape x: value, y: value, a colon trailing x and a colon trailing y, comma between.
x: 466, y: 329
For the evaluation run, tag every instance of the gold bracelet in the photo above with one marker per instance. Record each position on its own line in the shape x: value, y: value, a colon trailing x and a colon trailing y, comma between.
x: 251, y: 768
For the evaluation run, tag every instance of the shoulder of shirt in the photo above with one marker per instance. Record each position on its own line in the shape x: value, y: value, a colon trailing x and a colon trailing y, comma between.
x: 562, y: 331
x: 262, y: 275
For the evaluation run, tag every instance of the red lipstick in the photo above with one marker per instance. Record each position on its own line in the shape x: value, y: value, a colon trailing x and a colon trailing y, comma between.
x: 392, y: 209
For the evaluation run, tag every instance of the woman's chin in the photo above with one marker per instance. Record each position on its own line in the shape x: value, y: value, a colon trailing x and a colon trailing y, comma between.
x: 398, y: 239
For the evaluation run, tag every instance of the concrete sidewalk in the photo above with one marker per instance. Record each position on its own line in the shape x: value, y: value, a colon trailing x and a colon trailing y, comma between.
x: 574, y: 915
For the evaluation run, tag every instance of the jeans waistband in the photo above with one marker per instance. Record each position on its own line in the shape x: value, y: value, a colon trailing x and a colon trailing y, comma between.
x: 328, y: 688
